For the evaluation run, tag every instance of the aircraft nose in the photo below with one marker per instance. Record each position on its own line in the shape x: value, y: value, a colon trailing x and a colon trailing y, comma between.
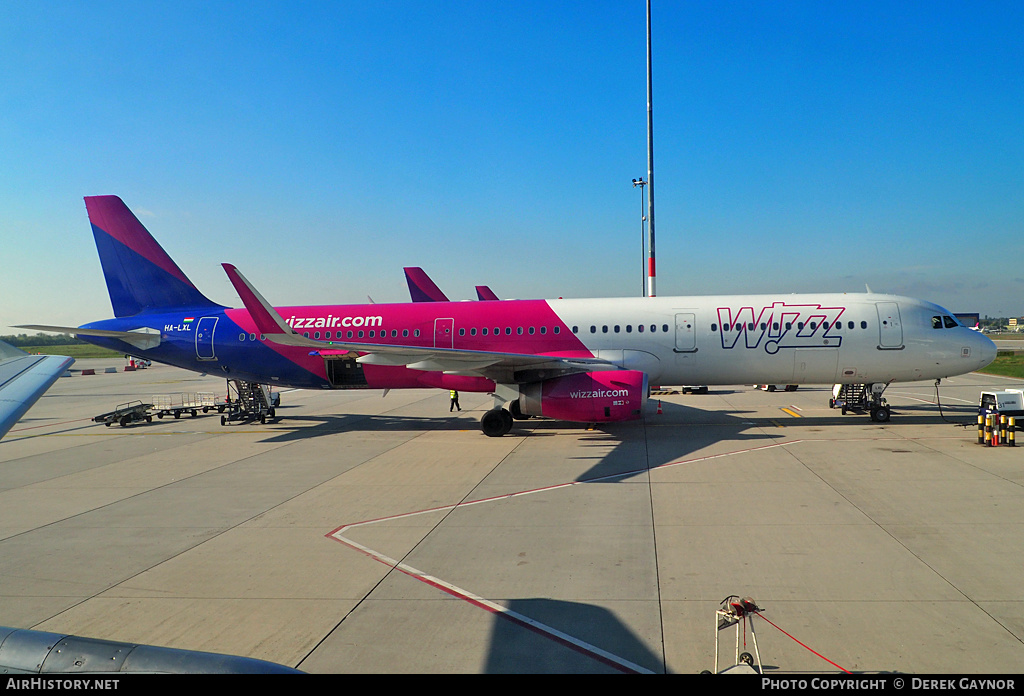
x: 985, y: 350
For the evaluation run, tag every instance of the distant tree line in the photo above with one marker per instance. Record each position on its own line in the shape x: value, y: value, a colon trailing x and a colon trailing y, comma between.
x: 41, y: 340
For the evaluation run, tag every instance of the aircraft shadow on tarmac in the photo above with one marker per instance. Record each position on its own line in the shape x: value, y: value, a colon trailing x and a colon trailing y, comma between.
x: 514, y: 644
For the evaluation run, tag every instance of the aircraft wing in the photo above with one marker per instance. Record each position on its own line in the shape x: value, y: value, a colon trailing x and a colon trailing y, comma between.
x: 501, y: 367
x: 23, y: 379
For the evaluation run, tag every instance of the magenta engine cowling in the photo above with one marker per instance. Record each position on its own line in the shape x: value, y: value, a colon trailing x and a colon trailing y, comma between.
x: 590, y: 397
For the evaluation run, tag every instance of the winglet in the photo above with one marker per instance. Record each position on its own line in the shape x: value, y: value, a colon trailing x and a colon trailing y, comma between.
x: 267, y: 320
x: 421, y: 287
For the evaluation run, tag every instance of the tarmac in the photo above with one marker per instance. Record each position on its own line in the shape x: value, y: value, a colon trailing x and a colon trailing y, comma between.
x: 361, y: 534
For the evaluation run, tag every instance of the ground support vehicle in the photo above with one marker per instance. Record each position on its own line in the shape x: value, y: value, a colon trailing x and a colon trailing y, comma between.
x: 126, y: 413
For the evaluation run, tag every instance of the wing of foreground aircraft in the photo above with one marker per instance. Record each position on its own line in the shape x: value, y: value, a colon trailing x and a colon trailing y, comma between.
x: 23, y: 379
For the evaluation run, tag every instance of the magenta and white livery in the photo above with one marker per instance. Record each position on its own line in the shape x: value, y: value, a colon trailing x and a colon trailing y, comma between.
x: 582, y: 360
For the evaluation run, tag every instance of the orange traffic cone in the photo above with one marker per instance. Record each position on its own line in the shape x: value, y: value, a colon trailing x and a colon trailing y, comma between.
x: 659, y: 407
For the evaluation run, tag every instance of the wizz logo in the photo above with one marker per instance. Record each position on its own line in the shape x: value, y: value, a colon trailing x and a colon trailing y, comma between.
x: 781, y: 326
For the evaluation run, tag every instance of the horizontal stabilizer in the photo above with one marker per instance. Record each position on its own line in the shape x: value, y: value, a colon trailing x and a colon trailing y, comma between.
x: 142, y: 338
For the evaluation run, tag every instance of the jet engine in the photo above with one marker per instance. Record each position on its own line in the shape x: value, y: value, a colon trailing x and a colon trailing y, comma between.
x: 589, y: 397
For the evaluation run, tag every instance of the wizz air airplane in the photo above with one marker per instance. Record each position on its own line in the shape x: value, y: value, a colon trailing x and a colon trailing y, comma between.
x: 579, y: 360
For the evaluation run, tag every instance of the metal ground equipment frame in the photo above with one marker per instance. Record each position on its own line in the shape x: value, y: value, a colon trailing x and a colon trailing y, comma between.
x: 862, y: 398
x: 125, y: 414
x: 177, y: 404
x: 735, y: 611
x: 249, y: 401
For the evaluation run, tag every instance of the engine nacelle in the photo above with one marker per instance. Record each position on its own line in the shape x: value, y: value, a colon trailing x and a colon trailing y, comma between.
x: 590, y: 397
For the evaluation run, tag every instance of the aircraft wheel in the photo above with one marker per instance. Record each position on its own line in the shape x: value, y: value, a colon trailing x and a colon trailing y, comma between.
x: 496, y: 422
x: 747, y: 659
x: 880, y: 414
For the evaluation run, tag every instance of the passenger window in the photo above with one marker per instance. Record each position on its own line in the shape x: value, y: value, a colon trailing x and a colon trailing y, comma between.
x: 532, y: 330
x: 405, y: 333
x: 863, y: 325
x: 714, y: 327
x: 519, y: 331
x: 462, y: 332
x: 616, y: 328
x: 629, y: 328
x: 604, y: 329
x: 849, y: 324
x: 664, y: 327
x: 557, y: 330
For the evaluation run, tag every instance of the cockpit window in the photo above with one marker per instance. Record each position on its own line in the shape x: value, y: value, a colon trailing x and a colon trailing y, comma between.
x: 936, y: 322
x: 950, y: 322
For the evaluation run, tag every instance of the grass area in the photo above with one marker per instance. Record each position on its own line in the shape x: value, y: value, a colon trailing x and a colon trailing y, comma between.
x: 1006, y: 365
x: 73, y: 350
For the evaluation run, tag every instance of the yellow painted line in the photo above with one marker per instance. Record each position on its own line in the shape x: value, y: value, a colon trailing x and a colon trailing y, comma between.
x: 791, y: 412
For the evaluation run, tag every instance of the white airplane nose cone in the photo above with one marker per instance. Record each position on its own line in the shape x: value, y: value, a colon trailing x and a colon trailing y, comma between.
x: 986, y: 351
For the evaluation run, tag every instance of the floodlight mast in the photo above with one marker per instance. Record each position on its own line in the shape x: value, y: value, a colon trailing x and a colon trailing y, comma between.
x: 650, y: 163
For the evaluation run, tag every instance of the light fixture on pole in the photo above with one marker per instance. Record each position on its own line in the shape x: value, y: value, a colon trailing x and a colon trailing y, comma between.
x: 643, y: 234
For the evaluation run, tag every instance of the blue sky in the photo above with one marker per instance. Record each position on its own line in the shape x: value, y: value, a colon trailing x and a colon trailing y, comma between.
x: 321, y: 147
